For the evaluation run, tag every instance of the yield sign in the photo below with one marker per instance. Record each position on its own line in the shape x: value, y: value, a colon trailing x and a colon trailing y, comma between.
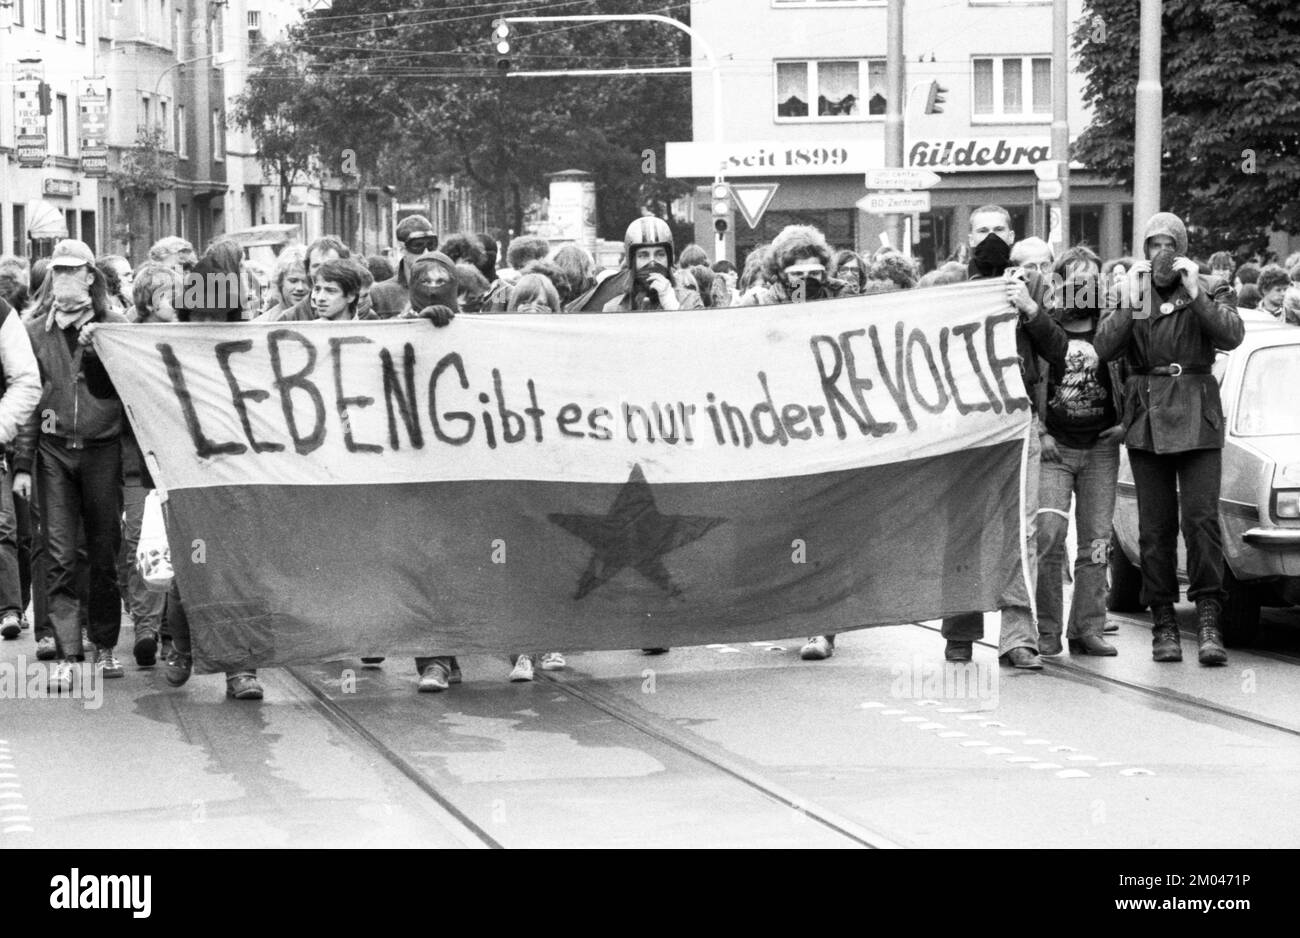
x: 753, y: 198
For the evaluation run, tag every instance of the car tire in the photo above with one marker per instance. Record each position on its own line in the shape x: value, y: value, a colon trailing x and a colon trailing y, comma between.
x: 1125, y: 581
x: 1240, y: 619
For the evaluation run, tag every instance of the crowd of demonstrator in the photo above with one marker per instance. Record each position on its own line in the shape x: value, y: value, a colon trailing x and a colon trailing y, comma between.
x: 72, y: 501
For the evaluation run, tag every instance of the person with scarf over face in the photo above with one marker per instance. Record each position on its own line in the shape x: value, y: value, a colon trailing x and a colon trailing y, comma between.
x: 645, y: 281
x: 1080, y: 463
x: 1167, y: 329
x: 72, y: 444
x: 1038, y: 335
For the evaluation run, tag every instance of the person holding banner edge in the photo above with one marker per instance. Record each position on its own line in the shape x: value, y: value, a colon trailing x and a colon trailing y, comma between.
x: 1038, y: 336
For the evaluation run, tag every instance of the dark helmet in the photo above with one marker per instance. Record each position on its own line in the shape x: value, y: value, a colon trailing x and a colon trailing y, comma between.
x: 649, y: 231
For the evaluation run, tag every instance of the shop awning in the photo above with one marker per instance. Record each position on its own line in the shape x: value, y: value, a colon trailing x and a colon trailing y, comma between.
x: 47, y: 221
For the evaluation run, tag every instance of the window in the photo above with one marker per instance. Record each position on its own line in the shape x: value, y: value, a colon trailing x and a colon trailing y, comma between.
x: 218, y: 136
x: 842, y: 89
x: 176, y: 32
x: 1013, y: 88
x: 163, y: 27
x: 182, y: 150
x: 146, y: 113
x: 20, y: 230
x: 20, y: 12
x: 61, y: 125
x: 219, y: 31
x: 61, y: 18
x: 165, y: 125
x: 1261, y: 410
x: 254, y: 20
x: 81, y: 20
x: 39, y: 18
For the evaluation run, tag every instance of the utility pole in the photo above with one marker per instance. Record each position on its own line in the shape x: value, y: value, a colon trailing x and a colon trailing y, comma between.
x: 1061, y: 111
x: 895, y: 103
x: 1148, y: 125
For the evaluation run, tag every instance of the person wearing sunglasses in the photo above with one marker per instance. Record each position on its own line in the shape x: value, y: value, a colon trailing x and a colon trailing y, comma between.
x: 418, y: 239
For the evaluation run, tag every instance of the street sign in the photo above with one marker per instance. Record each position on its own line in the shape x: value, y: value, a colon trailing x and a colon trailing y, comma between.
x: 92, y: 100
x: 29, y: 123
x: 1049, y: 190
x: 894, y: 203
x: 753, y: 198
x: 896, y: 178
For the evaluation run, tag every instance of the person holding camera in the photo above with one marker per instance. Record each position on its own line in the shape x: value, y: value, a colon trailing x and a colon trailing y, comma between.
x: 1167, y: 329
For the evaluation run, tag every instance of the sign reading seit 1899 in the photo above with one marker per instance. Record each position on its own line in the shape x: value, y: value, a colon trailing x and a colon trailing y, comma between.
x: 809, y: 158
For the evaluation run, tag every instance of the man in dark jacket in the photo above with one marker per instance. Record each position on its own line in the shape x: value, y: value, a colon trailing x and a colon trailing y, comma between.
x: 72, y: 444
x: 1167, y: 330
x: 418, y: 239
x: 1037, y: 336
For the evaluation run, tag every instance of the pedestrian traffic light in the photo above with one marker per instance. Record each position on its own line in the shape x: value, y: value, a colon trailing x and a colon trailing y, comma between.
x: 934, y: 102
x: 501, y: 35
x: 43, y: 97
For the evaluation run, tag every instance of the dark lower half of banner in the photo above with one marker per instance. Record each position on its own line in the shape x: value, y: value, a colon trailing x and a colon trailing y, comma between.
x: 273, y: 575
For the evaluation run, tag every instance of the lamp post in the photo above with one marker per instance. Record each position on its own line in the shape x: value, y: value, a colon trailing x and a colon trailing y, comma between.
x: 1148, y: 139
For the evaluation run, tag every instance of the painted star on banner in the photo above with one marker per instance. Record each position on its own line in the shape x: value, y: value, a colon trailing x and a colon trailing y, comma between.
x: 633, y: 534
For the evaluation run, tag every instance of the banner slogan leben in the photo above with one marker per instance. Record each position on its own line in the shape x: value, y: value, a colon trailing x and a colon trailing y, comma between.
x: 646, y: 479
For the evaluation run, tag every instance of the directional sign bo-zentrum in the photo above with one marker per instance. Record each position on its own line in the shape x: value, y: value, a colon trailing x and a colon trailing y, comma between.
x: 894, y: 203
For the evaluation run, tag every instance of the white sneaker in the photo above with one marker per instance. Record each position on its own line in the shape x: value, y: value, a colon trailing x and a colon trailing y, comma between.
x: 818, y: 648
x: 523, y: 670
x: 553, y: 661
x: 60, y: 682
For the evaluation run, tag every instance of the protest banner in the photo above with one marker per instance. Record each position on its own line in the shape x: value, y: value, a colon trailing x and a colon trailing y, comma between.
x: 516, y: 483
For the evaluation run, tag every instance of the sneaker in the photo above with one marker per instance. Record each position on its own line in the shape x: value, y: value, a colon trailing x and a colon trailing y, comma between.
x: 146, y: 647
x: 818, y: 648
x: 87, y: 646
x: 523, y: 670
x: 108, y: 664
x: 177, y: 668
x: 24, y: 623
x: 10, y: 626
x: 433, y: 679
x: 60, y: 682
x: 553, y: 661
x: 47, y: 649
x: 243, y: 685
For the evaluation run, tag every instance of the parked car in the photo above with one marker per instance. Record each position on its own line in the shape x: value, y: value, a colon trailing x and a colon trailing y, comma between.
x: 1259, y: 500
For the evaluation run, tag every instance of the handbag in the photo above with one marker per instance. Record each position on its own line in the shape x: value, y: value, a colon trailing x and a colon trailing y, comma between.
x: 153, y: 556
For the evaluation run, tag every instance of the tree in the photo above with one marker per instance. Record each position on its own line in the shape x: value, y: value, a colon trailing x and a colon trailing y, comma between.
x: 145, y: 170
x: 279, y: 107
x: 1231, y: 165
x: 420, y: 85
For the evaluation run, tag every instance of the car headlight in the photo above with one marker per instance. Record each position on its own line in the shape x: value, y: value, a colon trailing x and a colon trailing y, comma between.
x: 1286, y: 503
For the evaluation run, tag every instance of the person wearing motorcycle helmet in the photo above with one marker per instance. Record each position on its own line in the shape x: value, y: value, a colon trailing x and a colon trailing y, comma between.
x: 644, y: 282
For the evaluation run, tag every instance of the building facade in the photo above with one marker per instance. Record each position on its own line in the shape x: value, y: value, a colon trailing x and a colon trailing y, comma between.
x: 808, y: 114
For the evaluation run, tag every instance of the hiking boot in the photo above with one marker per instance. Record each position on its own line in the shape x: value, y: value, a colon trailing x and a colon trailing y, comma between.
x: 818, y: 648
x: 1208, y: 636
x: 523, y: 670
x: 11, y: 626
x: 553, y: 661
x: 47, y: 649
x: 177, y: 668
x: 1092, y: 645
x: 243, y: 685
x: 1164, y: 635
x: 1049, y: 643
x: 958, y: 650
x: 108, y: 664
x: 146, y: 647
x: 1024, y: 658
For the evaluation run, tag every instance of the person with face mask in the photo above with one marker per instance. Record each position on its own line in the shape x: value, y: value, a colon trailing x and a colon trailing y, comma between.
x: 1080, y: 463
x: 797, y: 268
x: 1038, y: 336
x: 418, y: 239
x: 1166, y: 330
x: 72, y: 444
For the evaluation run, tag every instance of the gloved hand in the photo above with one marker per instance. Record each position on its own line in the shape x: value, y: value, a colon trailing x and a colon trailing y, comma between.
x: 438, y: 314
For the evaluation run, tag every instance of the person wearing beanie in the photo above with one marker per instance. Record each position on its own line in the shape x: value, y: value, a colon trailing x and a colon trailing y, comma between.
x: 418, y: 239
x: 1167, y: 329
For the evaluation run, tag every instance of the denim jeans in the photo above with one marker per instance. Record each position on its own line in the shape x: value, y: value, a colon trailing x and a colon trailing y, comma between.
x: 1018, y: 628
x: 81, y: 487
x: 11, y: 586
x: 1087, y: 475
x: 1170, y: 484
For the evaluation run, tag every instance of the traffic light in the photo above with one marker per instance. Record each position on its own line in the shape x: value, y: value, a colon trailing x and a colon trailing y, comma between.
x: 720, y: 225
x: 934, y: 102
x: 43, y: 97
x: 501, y: 36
